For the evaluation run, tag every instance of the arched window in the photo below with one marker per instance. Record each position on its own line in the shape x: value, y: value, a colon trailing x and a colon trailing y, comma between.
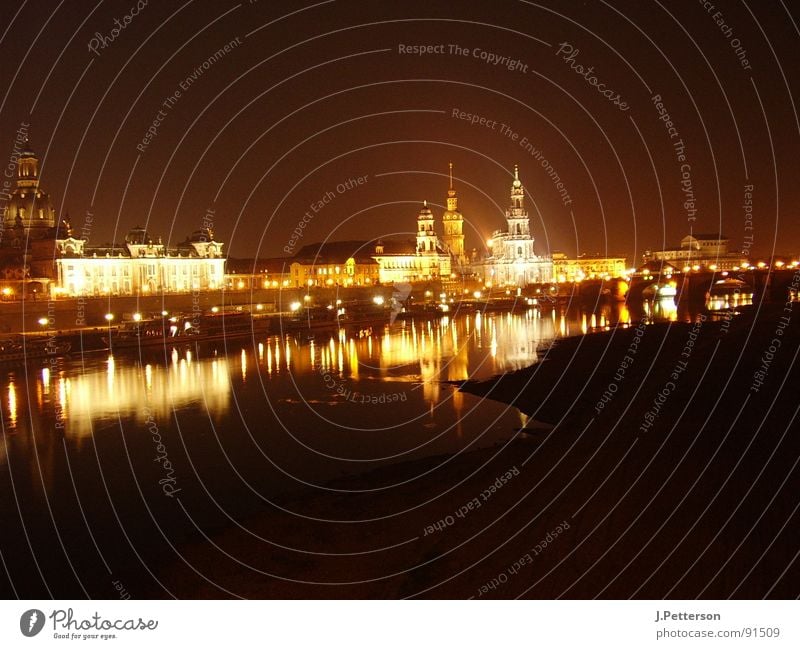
x: 519, y: 251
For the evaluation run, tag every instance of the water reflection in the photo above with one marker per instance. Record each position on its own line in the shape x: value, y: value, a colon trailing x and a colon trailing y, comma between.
x: 729, y: 301
x: 473, y: 345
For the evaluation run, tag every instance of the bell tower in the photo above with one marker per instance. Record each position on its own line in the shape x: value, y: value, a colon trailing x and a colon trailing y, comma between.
x: 453, y: 222
x: 516, y: 214
x: 426, y: 236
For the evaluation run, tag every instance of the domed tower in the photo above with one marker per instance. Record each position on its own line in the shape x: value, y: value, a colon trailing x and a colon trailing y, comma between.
x: 516, y: 214
x: 29, y: 206
x: 453, y: 222
x: 426, y: 237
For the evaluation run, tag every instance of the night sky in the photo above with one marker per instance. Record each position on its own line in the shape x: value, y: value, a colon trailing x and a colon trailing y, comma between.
x: 310, y: 95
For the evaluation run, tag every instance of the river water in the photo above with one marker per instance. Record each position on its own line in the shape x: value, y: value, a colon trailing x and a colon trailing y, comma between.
x: 108, y: 463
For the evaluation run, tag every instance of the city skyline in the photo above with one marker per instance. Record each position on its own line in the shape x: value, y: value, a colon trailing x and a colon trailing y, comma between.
x: 93, y: 222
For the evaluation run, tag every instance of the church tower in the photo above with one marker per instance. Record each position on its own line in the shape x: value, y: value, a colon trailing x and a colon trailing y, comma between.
x: 453, y: 222
x: 516, y: 214
x: 426, y: 237
x: 29, y: 207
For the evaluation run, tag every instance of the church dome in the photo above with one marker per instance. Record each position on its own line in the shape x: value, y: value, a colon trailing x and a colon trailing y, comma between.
x: 29, y: 206
x: 32, y: 207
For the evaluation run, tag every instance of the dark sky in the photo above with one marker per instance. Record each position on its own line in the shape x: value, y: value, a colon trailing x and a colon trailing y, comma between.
x: 313, y: 94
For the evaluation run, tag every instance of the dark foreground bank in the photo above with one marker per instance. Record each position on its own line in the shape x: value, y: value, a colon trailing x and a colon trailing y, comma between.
x: 670, y: 470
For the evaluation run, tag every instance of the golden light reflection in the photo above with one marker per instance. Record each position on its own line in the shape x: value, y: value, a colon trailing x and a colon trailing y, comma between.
x: 64, y: 386
x: 89, y: 396
x: 12, y: 405
x: 666, y: 309
x: 729, y: 301
x: 353, y: 360
x: 110, y: 372
x: 447, y: 349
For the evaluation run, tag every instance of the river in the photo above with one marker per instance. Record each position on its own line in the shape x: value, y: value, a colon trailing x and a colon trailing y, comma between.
x: 109, y: 463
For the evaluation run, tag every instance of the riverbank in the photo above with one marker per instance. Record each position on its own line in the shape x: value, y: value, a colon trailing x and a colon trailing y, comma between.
x: 680, y: 481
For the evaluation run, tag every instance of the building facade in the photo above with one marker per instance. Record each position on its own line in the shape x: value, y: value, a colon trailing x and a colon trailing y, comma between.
x: 575, y: 269
x: 337, y: 263
x: 512, y: 260
x: 428, y: 260
x: 699, y: 249
x: 141, y: 266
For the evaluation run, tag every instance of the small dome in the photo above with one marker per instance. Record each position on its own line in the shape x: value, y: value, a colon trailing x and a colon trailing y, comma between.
x: 201, y: 236
x: 138, y: 236
x: 425, y: 212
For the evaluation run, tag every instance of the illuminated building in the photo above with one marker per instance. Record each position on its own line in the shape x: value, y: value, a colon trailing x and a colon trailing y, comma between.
x: 29, y: 213
x: 512, y: 260
x: 699, y: 249
x: 250, y: 274
x: 585, y: 267
x: 28, y: 228
x: 337, y: 263
x: 453, y: 223
x: 139, y: 266
x: 429, y: 260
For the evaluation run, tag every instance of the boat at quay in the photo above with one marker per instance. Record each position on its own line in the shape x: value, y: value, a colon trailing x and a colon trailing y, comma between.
x: 22, y: 349
x: 186, y: 329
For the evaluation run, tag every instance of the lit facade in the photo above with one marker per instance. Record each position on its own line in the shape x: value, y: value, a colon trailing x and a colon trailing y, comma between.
x: 339, y: 263
x: 429, y: 260
x: 570, y: 270
x: 512, y: 260
x: 140, y: 266
x: 702, y: 249
x: 251, y: 274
